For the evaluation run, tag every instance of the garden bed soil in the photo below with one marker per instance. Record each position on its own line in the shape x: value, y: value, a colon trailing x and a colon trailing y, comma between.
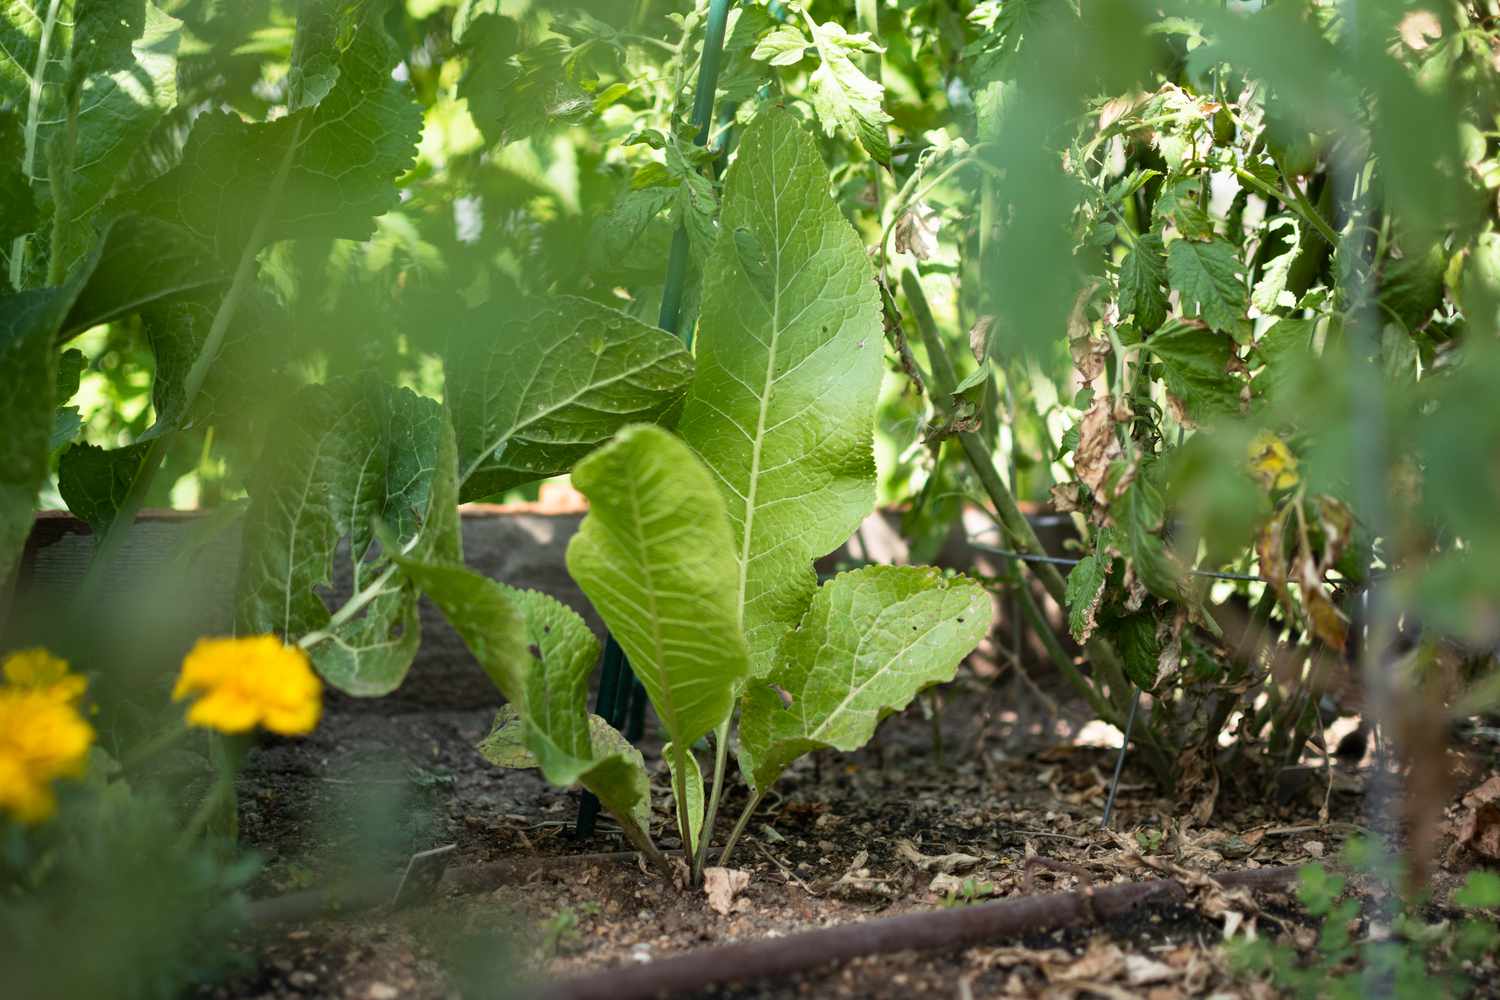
x: 845, y: 838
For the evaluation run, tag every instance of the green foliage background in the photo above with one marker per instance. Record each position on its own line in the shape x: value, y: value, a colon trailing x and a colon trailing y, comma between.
x: 1160, y: 243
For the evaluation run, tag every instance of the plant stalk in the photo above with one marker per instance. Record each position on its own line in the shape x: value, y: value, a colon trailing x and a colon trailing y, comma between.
x: 1022, y: 535
x: 739, y: 827
x: 721, y: 758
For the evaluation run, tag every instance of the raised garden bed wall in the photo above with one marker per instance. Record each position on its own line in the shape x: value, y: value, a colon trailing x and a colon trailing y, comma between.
x: 185, y: 565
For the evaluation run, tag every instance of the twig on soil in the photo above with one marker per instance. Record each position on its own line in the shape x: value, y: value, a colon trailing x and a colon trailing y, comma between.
x: 790, y: 875
x: 927, y: 931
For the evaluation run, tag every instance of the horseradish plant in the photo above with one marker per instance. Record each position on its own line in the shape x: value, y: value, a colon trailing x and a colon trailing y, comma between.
x: 698, y: 547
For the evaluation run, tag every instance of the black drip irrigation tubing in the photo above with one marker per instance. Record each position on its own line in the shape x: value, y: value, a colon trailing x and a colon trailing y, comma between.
x: 934, y: 930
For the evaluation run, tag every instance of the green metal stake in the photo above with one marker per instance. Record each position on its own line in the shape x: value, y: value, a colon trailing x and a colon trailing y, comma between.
x: 621, y: 698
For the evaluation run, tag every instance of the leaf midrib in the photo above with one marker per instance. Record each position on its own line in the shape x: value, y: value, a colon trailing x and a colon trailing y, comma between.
x: 33, y: 123
x: 758, y: 441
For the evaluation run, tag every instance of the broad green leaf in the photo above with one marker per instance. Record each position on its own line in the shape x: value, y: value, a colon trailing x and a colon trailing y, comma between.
x: 516, y: 88
x: 743, y: 73
x: 177, y: 328
x: 1196, y: 362
x: 18, y: 211
x: 1411, y: 287
x: 872, y: 639
x: 117, y: 60
x: 543, y: 384
x: 694, y: 786
x: 28, y: 377
x: 122, y: 97
x: 1143, y: 278
x: 117, y: 285
x: 784, y: 45
x: 782, y: 406
x: 656, y: 558
x: 343, y: 456
x: 1085, y: 589
x: 346, y: 152
x: 1208, y: 276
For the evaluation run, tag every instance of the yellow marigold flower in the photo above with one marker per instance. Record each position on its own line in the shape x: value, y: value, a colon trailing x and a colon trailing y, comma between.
x: 39, y: 670
x: 1272, y: 462
x: 42, y: 738
x: 243, y: 683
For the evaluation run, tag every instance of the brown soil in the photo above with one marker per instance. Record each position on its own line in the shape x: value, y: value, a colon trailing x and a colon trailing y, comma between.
x: 842, y: 839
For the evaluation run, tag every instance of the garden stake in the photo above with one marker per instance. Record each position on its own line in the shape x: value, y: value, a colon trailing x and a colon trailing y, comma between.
x: 622, y: 699
x: 1114, y: 785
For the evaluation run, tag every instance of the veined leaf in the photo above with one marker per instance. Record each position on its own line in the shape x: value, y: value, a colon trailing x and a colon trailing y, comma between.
x: 117, y: 285
x: 782, y: 406
x: 539, y: 653
x: 29, y: 323
x: 1139, y: 516
x: 483, y: 614
x: 871, y: 640
x: 612, y: 769
x: 1085, y: 588
x: 1143, y: 277
x: 655, y: 556
x: 1196, y: 361
x: 548, y: 382
x: 842, y: 95
x: 346, y: 151
x: 1208, y: 275
x: 345, y: 455
x: 516, y: 89
x: 118, y: 60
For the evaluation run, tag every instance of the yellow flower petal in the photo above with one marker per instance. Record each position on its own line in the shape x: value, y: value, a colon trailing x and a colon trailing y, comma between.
x: 39, y: 670
x: 242, y: 683
x: 42, y: 738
